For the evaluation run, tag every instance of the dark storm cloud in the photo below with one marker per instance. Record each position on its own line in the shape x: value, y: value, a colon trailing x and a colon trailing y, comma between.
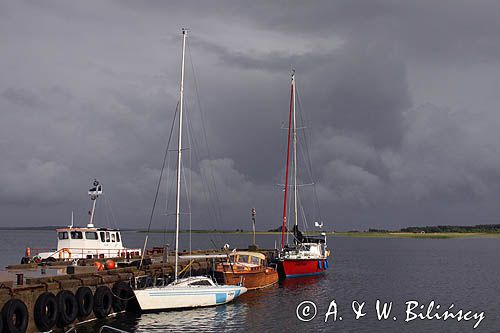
x: 88, y: 89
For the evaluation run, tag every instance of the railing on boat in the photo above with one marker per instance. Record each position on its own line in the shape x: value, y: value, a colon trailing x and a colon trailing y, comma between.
x: 89, y: 253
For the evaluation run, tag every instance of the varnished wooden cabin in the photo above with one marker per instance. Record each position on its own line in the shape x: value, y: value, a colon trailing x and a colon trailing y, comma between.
x: 248, y: 268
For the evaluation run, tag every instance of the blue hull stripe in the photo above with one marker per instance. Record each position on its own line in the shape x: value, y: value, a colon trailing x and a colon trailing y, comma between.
x: 301, y: 275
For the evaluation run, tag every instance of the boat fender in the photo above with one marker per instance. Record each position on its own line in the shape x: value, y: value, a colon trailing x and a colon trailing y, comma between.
x: 45, y: 312
x: 15, y: 316
x: 25, y: 260
x: 85, y: 301
x: 122, y: 293
x: 103, y: 301
x: 68, y: 308
x: 320, y: 265
x: 326, y: 264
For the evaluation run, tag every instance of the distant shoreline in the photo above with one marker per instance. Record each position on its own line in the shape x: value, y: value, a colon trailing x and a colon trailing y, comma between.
x: 352, y: 234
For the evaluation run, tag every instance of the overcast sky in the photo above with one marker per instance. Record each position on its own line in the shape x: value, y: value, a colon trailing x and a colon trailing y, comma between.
x: 401, y: 101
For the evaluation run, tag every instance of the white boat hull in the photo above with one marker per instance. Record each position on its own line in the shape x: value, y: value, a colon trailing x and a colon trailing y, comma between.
x: 175, y: 297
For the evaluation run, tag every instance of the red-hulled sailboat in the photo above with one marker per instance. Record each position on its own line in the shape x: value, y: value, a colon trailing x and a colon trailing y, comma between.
x: 309, y: 254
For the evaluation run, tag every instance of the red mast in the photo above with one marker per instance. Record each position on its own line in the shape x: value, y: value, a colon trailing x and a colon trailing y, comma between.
x: 283, y: 227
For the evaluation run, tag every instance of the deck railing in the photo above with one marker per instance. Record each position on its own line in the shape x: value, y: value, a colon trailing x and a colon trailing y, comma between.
x: 89, y: 253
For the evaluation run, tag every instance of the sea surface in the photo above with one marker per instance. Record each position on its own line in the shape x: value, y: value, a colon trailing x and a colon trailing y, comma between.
x: 462, y: 272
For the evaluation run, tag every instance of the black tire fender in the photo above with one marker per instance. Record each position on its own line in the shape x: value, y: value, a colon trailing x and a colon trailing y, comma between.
x: 122, y: 292
x: 68, y: 307
x: 85, y: 301
x: 103, y: 302
x: 15, y: 316
x: 46, y: 311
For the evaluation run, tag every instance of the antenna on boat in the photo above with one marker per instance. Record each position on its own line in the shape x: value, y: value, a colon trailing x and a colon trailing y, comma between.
x: 253, y: 220
x: 94, y: 193
x: 71, y: 225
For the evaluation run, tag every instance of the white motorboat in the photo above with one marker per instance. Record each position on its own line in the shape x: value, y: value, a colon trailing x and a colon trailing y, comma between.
x: 87, y: 242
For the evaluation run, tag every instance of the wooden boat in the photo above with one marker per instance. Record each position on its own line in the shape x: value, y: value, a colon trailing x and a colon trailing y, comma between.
x: 248, y: 269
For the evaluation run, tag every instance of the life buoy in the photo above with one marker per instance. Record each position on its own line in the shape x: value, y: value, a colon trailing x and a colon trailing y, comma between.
x: 45, y: 312
x: 68, y: 308
x: 122, y: 292
x: 103, y: 302
x: 15, y: 316
x: 63, y: 251
x: 85, y: 301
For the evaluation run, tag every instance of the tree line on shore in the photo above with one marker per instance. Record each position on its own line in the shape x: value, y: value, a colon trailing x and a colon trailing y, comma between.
x: 446, y: 228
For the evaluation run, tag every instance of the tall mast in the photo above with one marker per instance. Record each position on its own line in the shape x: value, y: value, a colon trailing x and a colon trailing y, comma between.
x: 294, y: 151
x: 179, y: 157
x: 283, y: 227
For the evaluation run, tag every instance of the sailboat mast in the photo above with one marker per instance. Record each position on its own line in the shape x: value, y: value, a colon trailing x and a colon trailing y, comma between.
x: 283, y: 227
x: 294, y: 152
x: 179, y: 157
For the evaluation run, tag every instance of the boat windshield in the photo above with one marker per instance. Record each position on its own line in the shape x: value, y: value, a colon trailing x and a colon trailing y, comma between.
x: 243, y: 258
x: 200, y: 283
x: 91, y: 235
x: 76, y: 235
x: 63, y: 235
x: 254, y: 260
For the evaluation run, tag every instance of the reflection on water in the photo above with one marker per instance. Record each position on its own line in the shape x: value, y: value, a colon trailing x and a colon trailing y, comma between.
x: 227, y: 317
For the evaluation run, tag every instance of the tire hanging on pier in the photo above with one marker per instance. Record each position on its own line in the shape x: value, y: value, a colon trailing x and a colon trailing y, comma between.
x: 122, y: 292
x: 85, y: 301
x: 15, y: 316
x: 68, y: 308
x: 103, y: 302
x: 46, y: 311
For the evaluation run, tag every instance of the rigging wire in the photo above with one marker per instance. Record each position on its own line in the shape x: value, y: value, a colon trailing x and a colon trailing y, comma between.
x: 107, y: 202
x: 217, y: 197
x: 308, y: 155
x: 159, y: 183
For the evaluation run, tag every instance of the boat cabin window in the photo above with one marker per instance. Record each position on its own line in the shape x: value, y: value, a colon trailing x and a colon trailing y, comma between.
x: 200, y: 283
x: 255, y: 260
x: 76, y: 235
x: 62, y: 235
x: 243, y: 258
x: 117, y: 236
x: 107, y: 237
x: 102, y: 236
x: 91, y: 235
x: 113, y: 237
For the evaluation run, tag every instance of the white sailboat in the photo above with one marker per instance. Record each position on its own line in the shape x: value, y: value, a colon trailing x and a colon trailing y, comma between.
x: 190, y: 292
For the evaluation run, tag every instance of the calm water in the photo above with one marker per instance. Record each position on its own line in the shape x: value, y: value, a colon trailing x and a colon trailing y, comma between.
x: 465, y: 272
